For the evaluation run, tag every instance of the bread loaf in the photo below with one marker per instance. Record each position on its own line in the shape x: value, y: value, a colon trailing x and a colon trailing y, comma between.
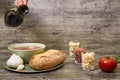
x: 47, y: 59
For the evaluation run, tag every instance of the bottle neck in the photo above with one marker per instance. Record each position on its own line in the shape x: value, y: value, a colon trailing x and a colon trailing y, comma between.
x: 23, y: 9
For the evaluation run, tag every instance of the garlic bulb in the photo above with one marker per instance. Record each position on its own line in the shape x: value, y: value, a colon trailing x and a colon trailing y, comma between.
x: 21, y: 67
x: 14, y: 61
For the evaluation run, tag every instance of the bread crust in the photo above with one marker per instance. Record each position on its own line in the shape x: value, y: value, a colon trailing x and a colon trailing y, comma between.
x: 47, y: 59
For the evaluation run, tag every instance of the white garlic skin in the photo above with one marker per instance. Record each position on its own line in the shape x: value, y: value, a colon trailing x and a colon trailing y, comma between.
x: 14, y: 61
x: 21, y: 67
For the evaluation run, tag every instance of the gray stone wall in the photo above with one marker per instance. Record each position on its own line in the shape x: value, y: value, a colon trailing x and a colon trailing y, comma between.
x: 95, y: 23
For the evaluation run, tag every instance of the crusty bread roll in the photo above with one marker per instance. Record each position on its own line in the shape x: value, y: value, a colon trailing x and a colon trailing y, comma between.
x: 47, y: 59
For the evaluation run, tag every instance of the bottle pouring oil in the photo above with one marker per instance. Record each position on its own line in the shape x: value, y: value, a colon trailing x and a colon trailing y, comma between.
x: 15, y: 16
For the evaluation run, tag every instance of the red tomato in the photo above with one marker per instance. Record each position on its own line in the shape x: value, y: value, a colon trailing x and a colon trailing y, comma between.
x: 107, y: 64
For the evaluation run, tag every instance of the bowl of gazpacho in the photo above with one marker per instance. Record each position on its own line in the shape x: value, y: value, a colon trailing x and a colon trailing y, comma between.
x: 26, y: 50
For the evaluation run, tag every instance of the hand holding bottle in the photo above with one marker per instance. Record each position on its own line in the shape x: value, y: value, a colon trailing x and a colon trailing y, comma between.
x: 15, y: 16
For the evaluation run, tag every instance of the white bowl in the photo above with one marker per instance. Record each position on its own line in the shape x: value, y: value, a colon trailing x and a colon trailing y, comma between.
x: 26, y: 54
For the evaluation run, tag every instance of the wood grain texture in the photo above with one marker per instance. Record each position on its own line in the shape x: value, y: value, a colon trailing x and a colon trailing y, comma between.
x: 70, y: 71
x: 95, y: 23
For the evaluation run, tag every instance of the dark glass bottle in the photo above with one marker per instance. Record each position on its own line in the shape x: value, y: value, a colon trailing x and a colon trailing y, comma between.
x: 15, y: 16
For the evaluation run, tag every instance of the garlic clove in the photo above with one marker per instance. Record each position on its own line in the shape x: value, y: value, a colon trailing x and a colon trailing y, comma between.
x: 14, y: 61
x: 19, y: 68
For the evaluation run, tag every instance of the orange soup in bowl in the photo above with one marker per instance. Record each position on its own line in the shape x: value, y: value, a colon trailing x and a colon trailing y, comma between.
x: 27, y: 48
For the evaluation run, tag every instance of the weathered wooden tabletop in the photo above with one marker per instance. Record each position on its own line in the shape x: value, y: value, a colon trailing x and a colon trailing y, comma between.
x: 70, y: 71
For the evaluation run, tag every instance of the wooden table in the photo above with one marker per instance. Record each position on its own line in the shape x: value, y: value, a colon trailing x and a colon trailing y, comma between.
x: 70, y: 71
